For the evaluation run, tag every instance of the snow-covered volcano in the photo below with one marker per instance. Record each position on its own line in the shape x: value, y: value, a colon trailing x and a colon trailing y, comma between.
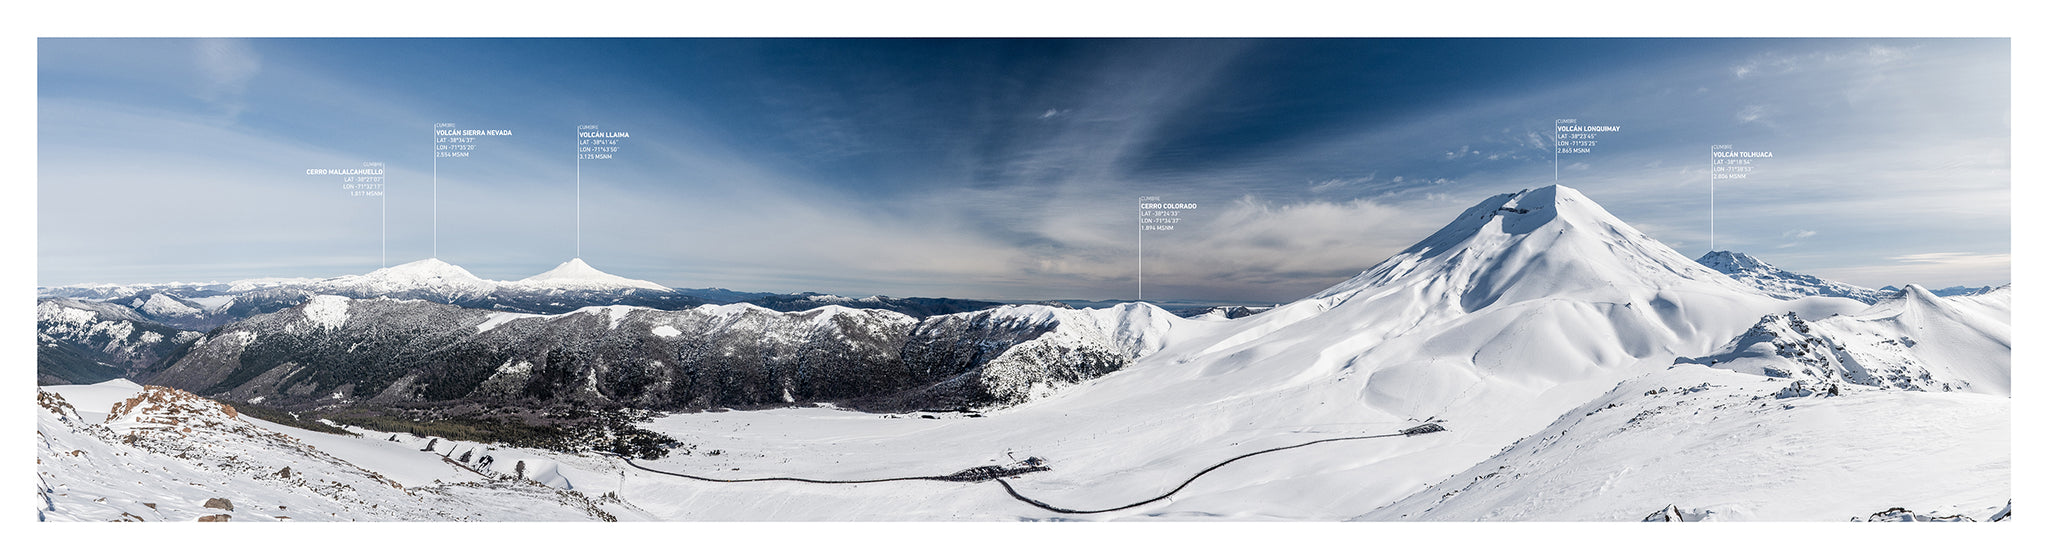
x: 1545, y: 242
x: 1780, y: 283
x: 429, y: 279
x: 1543, y: 283
x: 576, y: 274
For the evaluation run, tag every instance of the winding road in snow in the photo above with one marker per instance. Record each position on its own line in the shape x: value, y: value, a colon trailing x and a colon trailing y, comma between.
x: 997, y: 473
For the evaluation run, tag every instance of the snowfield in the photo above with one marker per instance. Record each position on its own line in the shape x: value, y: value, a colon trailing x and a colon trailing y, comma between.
x: 1726, y: 446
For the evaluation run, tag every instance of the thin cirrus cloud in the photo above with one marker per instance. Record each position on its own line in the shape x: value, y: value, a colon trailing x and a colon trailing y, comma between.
x: 1000, y: 169
x: 1933, y: 270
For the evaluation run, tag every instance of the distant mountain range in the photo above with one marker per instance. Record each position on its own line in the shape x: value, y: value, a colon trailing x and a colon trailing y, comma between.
x: 1784, y: 284
x: 570, y: 286
x: 429, y: 332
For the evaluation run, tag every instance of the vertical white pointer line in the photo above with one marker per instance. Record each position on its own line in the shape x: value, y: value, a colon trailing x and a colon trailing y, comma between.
x: 437, y: 193
x: 1710, y: 200
x: 1141, y: 251
x: 383, y: 226
x: 1553, y: 153
x: 579, y: 194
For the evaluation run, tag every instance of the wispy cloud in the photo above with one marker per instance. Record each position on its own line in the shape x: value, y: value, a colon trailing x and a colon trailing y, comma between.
x: 1934, y: 269
x: 1765, y: 63
x: 1753, y: 113
x: 1794, y: 236
x: 227, y: 66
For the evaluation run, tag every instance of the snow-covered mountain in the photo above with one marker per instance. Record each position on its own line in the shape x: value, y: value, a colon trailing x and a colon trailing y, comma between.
x: 85, y: 342
x: 1952, y: 291
x: 1221, y: 312
x: 567, y: 287
x: 1777, y: 282
x: 429, y: 279
x: 570, y: 286
x: 919, y: 307
x: 577, y: 275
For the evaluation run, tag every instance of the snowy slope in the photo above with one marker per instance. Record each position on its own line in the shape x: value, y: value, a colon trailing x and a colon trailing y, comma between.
x: 1904, y: 404
x: 575, y: 274
x: 1996, y: 303
x: 1777, y: 282
x: 165, y: 455
x: 1721, y: 445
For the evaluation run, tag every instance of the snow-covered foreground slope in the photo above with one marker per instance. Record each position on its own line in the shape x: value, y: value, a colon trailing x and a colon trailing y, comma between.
x: 1723, y: 445
x: 1904, y: 404
x: 158, y: 454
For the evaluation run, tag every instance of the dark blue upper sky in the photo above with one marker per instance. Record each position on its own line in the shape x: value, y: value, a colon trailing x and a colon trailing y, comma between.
x: 1003, y: 168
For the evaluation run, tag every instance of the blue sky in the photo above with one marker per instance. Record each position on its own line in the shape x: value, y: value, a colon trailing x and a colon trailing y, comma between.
x: 1005, y: 169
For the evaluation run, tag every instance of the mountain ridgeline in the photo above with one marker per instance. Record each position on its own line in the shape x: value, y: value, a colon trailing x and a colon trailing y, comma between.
x: 1785, y: 284
x: 570, y: 286
x: 382, y: 352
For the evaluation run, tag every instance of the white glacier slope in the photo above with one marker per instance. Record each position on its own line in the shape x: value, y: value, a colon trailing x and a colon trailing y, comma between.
x: 1524, y: 307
